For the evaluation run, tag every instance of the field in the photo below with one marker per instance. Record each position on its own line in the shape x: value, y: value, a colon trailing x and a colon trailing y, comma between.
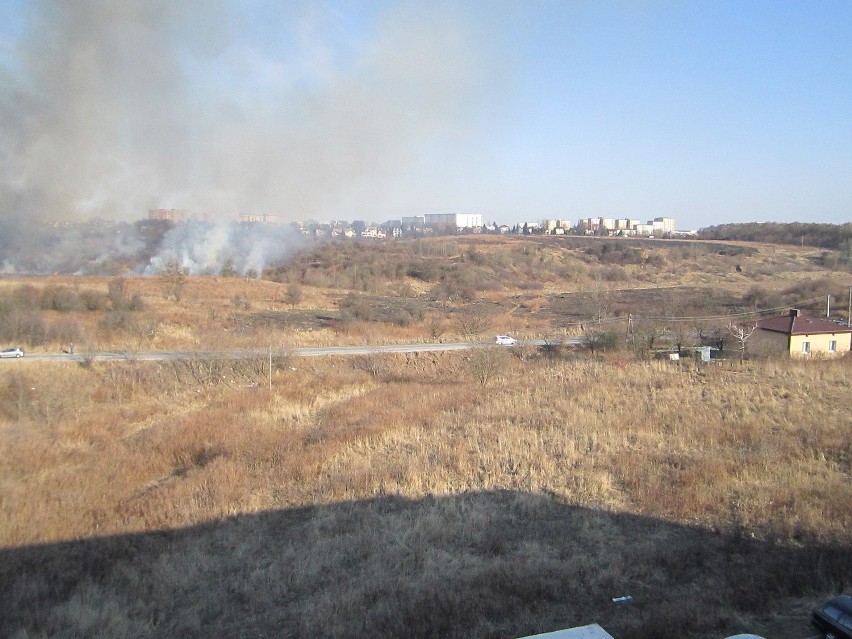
x: 496, y: 493
x: 463, y: 287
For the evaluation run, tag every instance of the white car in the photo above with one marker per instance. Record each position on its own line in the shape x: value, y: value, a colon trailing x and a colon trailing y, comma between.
x: 12, y: 352
x: 505, y: 340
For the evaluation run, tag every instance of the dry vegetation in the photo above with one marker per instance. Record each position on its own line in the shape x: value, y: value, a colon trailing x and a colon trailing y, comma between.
x: 420, y: 290
x: 495, y: 493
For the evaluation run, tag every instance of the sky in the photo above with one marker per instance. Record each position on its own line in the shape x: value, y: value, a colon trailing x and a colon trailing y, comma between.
x: 710, y: 112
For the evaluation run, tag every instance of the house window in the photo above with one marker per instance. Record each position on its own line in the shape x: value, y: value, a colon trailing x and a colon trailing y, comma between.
x: 806, y: 348
x: 832, y: 346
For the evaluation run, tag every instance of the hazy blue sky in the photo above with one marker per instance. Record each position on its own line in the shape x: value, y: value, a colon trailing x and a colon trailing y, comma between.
x: 709, y: 112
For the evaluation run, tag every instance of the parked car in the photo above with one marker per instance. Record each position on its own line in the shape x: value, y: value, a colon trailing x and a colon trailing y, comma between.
x: 12, y: 352
x: 505, y: 340
x: 834, y: 617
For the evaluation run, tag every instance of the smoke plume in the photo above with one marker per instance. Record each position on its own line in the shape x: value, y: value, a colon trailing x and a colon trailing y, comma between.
x: 111, y: 107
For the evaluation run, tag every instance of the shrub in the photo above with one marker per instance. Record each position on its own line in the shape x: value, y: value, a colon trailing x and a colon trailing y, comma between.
x: 23, y: 325
x: 61, y: 298
x: 602, y: 341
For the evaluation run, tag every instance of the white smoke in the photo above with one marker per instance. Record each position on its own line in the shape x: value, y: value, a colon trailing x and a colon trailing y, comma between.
x: 203, y: 248
x: 112, y: 107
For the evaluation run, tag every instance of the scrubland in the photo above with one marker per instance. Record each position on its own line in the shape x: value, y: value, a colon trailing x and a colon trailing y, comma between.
x: 408, y: 498
x: 491, y: 493
x: 464, y: 287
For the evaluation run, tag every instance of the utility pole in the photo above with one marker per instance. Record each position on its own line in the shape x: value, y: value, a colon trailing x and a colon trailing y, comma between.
x: 270, y: 367
x: 827, y: 306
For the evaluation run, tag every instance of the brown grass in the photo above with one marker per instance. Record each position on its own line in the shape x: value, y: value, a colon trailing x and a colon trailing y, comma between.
x: 488, y: 494
x: 408, y: 498
x: 527, y: 286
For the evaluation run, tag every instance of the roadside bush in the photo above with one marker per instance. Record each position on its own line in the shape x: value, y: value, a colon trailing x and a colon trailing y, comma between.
x: 602, y: 341
x: 65, y: 330
x: 116, y: 321
x: 25, y: 326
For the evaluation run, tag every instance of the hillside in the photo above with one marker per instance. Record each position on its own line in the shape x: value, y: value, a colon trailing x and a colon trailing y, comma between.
x: 491, y: 493
x: 442, y: 288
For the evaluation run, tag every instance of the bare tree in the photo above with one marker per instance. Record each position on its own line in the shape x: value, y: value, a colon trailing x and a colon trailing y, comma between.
x: 173, y: 276
x: 741, y: 334
x: 484, y: 363
x: 436, y: 326
x: 293, y: 294
x: 472, y: 322
x: 600, y: 300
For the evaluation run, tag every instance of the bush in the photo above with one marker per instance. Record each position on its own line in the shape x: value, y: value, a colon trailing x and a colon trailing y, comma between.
x: 602, y: 341
x: 60, y: 298
x: 23, y: 325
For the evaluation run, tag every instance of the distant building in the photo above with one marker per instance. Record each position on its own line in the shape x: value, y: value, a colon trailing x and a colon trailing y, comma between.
x: 413, y: 223
x: 260, y: 219
x: 453, y: 221
x: 173, y: 215
x: 374, y: 232
x: 468, y: 220
x: 663, y: 225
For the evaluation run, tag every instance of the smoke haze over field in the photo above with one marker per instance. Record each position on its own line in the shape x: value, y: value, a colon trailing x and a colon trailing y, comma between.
x: 110, y: 107
x: 707, y: 112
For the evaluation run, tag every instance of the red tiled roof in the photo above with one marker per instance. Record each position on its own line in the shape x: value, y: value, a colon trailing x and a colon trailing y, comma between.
x: 799, y: 325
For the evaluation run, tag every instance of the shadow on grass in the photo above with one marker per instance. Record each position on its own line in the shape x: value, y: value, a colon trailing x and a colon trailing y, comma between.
x: 479, y: 564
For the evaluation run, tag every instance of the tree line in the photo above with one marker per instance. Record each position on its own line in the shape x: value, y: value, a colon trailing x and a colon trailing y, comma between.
x: 828, y: 236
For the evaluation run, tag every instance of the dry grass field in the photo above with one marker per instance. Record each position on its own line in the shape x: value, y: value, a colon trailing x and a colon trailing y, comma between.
x: 421, y: 290
x: 493, y: 493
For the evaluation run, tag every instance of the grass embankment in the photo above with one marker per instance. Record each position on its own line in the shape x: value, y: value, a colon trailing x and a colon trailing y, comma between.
x: 405, y: 497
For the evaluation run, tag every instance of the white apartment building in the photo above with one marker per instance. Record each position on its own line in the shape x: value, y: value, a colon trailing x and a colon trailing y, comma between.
x: 453, y: 220
x: 468, y: 220
x: 663, y: 225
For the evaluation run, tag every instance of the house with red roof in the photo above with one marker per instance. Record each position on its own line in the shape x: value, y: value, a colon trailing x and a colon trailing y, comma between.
x: 800, y: 336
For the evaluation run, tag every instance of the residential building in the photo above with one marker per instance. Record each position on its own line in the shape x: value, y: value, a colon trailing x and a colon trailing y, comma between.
x: 413, y: 223
x: 468, y: 220
x: 453, y: 221
x: 800, y: 336
x: 174, y: 215
x: 663, y: 225
x: 260, y: 219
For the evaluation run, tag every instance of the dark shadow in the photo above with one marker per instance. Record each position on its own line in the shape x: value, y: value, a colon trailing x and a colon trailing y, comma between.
x: 479, y: 564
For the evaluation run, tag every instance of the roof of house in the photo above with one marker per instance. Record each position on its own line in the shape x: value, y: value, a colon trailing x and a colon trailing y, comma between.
x: 800, y: 325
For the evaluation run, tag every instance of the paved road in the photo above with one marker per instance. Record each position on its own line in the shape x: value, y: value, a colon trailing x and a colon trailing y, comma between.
x: 156, y: 356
